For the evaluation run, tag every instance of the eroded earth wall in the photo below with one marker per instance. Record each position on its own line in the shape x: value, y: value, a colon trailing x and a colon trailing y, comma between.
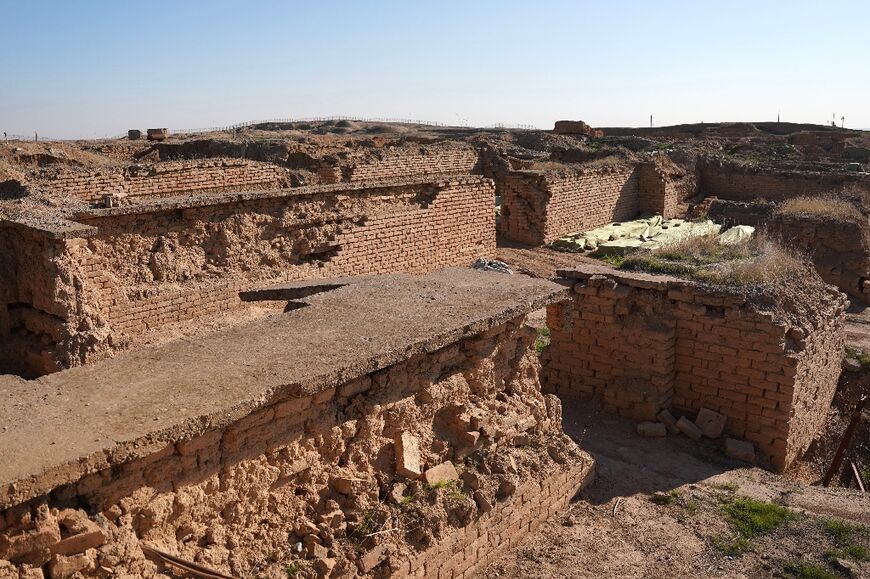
x: 400, y: 162
x: 643, y: 343
x: 346, y: 472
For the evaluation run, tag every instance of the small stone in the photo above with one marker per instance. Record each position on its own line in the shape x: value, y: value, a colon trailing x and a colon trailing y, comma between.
x: 522, y: 440
x: 711, y: 423
x: 469, y: 438
x: 346, y: 485
x: 324, y: 566
x: 740, y: 449
x: 62, y: 567
x: 652, y: 429
x: 666, y: 418
x: 397, y: 493
x: 688, y: 428
x: 506, y: 489
x: 372, y: 559
x: 471, y: 480
x: 84, y: 533
x: 441, y: 473
x: 483, y: 504
x: 408, y: 462
x: 28, y: 572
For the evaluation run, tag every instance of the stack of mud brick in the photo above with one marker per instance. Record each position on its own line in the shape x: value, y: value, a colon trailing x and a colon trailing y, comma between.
x: 644, y: 343
x: 173, y: 177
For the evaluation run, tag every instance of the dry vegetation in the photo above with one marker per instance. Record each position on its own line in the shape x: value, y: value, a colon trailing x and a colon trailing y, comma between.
x: 755, y: 261
x: 824, y: 207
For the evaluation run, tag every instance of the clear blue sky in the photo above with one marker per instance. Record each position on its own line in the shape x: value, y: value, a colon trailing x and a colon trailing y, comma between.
x: 92, y: 68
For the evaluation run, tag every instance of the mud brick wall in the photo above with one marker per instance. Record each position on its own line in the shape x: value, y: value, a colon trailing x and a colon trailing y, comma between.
x: 840, y: 250
x: 539, y: 207
x: 36, y: 300
x: 148, y: 265
x: 391, y: 164
x: 320, y: 466
x: 172, y: 178
x: 662, y: 187
x: 643, y: 343
x: 747, y: 183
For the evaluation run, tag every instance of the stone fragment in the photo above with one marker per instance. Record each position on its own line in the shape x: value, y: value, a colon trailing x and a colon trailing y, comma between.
x: 28, y: 572
x: 324, y: 567
x: 346, y: 485
x: 372, y: 559
x: 408, y: 462
x: 63, y: 567
x: 506, y: 489
x: 469, y: 438
x: 442, y: 473
x: 83, y: 533
x: 688, y: 428
x: 471, y: 480
x: 32, y: 547
x: 397, y: 493
x: 711, y: 423
x: 740, y: 449
x: 666, y: 418
x: 652, y: 429
x: 483, y: 504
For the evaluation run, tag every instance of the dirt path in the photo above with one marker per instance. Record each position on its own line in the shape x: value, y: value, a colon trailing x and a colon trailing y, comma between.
x: 617, y: 529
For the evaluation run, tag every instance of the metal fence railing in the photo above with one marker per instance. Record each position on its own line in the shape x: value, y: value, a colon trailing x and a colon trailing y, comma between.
x: 237, y: 126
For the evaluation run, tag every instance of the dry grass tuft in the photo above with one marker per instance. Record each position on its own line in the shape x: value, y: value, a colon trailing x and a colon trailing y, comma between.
x: 755, y: 261
x: 829, y: 208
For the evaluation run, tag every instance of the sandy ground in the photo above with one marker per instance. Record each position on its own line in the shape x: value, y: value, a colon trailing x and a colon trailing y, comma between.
x: 615, y: 529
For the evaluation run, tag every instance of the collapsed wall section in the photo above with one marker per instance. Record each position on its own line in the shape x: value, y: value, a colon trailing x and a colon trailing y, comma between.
x: 145, y: 265
x: 172, y: 178
x: 747, y: 182
x: 644, y: 343
x: 441, y: 440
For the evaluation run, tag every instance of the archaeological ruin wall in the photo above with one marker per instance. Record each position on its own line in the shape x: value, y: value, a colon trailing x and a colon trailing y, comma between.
x: 644, y: 343
x: 130, y: 269
x: 538, y: 207
x: 425, y: 418
x: 746, y: 182
x: 391, y: 163
x: 171, y: 178
x: 839, y: 247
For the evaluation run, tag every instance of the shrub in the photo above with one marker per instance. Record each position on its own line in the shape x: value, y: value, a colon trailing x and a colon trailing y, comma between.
x: 825, y: 207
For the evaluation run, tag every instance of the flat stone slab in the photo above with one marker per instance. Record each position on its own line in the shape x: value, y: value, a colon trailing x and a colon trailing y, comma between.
x: 62, y: 426
x: 298, y: 289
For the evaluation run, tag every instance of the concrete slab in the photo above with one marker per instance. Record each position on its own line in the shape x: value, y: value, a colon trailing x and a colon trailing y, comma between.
x: 58, y: 428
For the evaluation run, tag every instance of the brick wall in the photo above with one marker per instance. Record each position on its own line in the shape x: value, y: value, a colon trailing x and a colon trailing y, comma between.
x: 271, y: 472
x: 539, y: 207
x: 747, y: 183
x: 394, y: 163
x: 643, y: 343
x: 150, y: 264
x: 173, y: 177
x: 840, y: 250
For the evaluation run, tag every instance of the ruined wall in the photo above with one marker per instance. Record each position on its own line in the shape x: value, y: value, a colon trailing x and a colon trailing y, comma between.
x: 747, y: 183
x: 323, y: 470
x: 663, y: 187
x: 170, y: 261
x: 643, y: 343
x: 840, y: 250
x: 173, y: 177
x: 539, y: 207
x: 380, y: 164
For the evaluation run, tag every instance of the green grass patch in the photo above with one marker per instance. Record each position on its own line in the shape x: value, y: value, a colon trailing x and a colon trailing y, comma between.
x: 731, y: 546
x: 752, y: 518
x: 728, y: 487
x: 862, y: 357
x: 844, y: 535
x: 291, y: 570
x: 543, y: 339
x: 808, y: 571
x: 614, y: 260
